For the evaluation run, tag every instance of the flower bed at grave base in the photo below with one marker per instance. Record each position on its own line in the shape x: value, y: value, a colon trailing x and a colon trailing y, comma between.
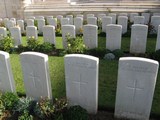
x: 24, y: 108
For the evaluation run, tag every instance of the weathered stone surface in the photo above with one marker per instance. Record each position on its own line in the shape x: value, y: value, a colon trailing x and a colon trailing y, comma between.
x: 81, y: 76
x: 36, y: 75
x: 135, y: 87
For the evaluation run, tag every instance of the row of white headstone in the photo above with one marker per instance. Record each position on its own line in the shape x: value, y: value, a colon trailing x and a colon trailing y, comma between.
x: 78, y: 21
x: 90, y: 36
x: 135, y: 87
x: 138, y: 42
x: 99, y: 16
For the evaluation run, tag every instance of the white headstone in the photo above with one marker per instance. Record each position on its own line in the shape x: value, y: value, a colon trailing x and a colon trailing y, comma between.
x: 123, y: 20
x: 10, y: 24
x: 20, y: 23
x: 139, y: 19
x: 16, y: 35
x: 80, y: 15
x: 81, y: 76
x: 158, y: 39
x: 49, y: 34
x: 155, y: 22
x: 52, y: 21
x: 147, y: 17
x: 5, y: 21
x: 67, y: 30
x: 78, y: 22
x: 138, y: 38
x: 132, y: 15
x: 90, y: 15
x: 135, y: 87
x: 113, y: 36
x: 123, y: 14
x: 114, y: 17
x: 31, y: 32
x: 30, y: 22
x: 64, y: 21
x: 90, y: 36
x: 31, y: 17
x: 7, y: 83
x: 36, y: 75
x: 100, y: 16
x: 59, y: 17
x: 106, y: 21
x: 70, y: 19
x: 41, y: 24
x: 39, y: 17
x: 3, y: 32
x: 156, y: 14
x: 49, y: 17
x: 92, y: 20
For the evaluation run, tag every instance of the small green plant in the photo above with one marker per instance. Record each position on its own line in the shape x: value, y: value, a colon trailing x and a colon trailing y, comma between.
x: 32, y: 44
x: 46, y: 47
x: 9, y: 99
x: 6, y: 44
x: 75, y: 45
x: 76, y: 113
x: 44, y: 109
x: 60, y: 105
x: 25, y: 116
x: 24, y: 105
x: 2, y: 108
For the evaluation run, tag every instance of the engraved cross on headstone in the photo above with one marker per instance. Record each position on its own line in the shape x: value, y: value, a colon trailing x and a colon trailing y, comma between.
x: 35, y: 79
x: 80, y: 83
x: 135, y: 88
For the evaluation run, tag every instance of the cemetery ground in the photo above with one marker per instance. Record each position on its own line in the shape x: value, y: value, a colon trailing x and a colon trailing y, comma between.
x: 108, y: 70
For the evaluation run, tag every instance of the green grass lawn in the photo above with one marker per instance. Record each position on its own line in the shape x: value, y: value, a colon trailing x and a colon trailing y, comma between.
x: 107, y: 75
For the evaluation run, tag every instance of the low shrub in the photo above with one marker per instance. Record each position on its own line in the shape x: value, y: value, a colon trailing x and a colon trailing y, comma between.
x: 13, y: 107
x: 35, y: 45
x: 6, y: 44
x: 9, y: 99
x: 46, y: 47
x: 24, y: 104
x: 2, y: 108
x: 97, y: 52
x: 32, y: 44
x: 25, y: 116
x: 75, y: 45
x: 44, y: 109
